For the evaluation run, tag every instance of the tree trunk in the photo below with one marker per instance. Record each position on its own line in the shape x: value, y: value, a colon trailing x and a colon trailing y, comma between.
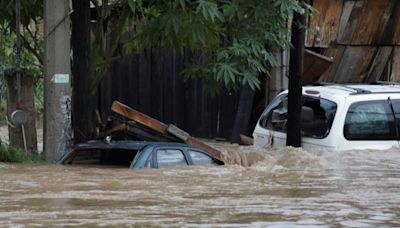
x: 84, y: 101
x: 295, y: 81
x: 25, y: 103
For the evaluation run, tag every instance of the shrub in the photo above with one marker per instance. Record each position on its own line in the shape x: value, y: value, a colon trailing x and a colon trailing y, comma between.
x: 11, y: 154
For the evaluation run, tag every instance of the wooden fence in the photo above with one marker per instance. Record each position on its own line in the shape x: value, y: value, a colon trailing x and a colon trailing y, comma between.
x: 151, y: 83
x: 362, y: 36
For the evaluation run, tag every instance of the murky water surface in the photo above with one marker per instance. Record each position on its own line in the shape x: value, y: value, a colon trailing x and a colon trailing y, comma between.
x: 276, y: 188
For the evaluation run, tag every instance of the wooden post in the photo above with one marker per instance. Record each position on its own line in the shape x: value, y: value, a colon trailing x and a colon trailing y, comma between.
x: 296, y: 69
x: 21, y: 100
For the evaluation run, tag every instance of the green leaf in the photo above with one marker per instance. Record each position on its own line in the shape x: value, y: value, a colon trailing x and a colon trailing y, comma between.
x: 209, y: 9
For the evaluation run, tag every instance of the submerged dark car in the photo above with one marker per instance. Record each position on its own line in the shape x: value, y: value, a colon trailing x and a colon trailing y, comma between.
x: 138, y: 154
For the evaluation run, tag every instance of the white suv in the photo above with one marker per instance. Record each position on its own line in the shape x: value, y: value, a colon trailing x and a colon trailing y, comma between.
x: 338, y: 117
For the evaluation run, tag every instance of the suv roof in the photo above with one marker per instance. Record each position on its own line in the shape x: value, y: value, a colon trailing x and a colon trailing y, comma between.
x: 354, y: 89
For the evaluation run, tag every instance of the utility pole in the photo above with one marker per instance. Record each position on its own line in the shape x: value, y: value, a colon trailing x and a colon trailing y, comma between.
x: 57, y: 91
x: 296, y: 69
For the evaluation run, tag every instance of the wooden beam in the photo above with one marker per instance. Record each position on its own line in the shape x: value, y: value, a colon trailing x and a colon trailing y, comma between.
x: 162, y: 128
x: 139, y: 117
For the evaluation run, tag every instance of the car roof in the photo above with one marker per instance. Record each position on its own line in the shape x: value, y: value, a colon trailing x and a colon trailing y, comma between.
x: 126, y: 145
x: 345, y: 90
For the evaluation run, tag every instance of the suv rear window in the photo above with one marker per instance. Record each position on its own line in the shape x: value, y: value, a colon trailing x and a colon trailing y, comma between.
x: 370, y: 120
x: 317, y: 116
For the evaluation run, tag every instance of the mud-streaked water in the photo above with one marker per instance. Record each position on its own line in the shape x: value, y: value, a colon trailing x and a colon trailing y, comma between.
x: 280, y: 188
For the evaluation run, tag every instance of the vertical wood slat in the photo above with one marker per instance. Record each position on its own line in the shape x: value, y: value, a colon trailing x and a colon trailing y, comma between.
x: 396, y: 25
x: 167, y: 95
x: 395, y: 74
x: 325, y: 24
x: 348, y: 27
x: 144, y: 80
x: 178, y: 90
x: 364, y: 63
x: 336, y: 53
x: 392, y: 25
x: 344, y: 19
x: 378, y: 65
x: 372, y: 22
x: 351, y: 64
x: 346, y: 68
x: 157, y: 85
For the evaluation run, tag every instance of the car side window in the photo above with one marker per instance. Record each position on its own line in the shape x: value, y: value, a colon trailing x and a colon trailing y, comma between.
x: 317, y: 117
x: 370, y: 120
x: 199, y: 158
x: 170, y: 157
x: 396, y: 109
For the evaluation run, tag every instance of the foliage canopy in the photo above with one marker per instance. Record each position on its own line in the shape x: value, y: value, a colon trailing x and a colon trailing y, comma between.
x: 232, y: 35
x: 31, y: 37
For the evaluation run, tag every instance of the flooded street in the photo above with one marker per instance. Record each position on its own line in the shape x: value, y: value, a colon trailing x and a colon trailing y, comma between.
x: 279, y: 188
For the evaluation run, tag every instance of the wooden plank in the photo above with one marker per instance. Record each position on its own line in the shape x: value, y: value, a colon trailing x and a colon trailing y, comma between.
x: 178, y: 90
x: 361, y: 71
x: 315, y: 21
x: 387, y: 37
x: 396, y: 24
x: 336, y: 54
x: 353, y: 64
x: 157, y: 84
x: 395, y: 75
x: 144, y: 74
x: 348, y: 27
x: 372, y: 22
x: 330, y: 24
x: 378, y: 66
x: 344, y: 19
x: 325, y: 24
x: 167, y: 86
x: 159, y: 127
x: 139, y: 117
x: 314, y: 66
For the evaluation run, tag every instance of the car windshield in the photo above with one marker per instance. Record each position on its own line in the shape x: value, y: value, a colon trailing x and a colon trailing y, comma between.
x: 112, y: 157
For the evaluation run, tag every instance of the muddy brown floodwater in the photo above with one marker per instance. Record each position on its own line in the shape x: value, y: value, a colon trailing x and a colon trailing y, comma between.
x: 272, y: 188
